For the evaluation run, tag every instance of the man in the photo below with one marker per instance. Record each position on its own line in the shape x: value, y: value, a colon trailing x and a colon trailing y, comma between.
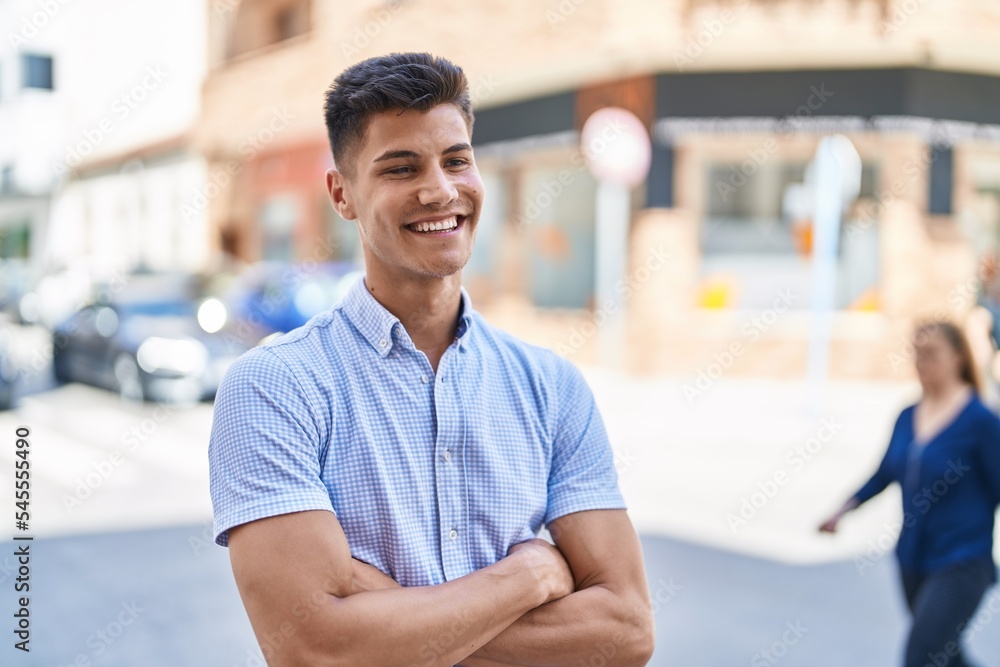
x: 381, y: 473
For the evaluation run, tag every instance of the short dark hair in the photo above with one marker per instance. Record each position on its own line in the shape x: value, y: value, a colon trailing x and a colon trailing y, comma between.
x: 397, y: 81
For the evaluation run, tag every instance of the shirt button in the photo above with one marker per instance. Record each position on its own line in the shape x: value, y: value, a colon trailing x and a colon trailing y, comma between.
x: 383, y: 342
x: 424, y: 379
x: 447, y: 455
x: 453, y: 534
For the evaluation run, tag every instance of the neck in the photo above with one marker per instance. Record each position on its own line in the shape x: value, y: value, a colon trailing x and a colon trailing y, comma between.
x: 946, y: 391
x: 428, y: 308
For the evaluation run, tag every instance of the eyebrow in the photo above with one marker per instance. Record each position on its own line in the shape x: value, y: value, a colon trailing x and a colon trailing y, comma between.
x: 394, y: 155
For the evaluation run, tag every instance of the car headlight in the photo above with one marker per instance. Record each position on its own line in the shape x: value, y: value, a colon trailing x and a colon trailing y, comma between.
x: 212, y: 315
x: 180, y: 355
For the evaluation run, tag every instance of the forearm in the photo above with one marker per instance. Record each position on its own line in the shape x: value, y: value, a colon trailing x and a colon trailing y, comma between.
x: 427, y: 625
x: 591, y: 624
x: 849, y: 505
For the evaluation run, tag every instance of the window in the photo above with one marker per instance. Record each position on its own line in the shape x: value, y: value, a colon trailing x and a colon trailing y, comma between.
x: 744, y: 215
x: 277, y: 220
x: 483, y: 263
x: 761, y: 214
x: 15, y: 240
x: 757, y: 239
x: 36, y: 71
x: 342, y: 236
x: 559, y: 210
x: 258, y: 24
x: 7, y: 179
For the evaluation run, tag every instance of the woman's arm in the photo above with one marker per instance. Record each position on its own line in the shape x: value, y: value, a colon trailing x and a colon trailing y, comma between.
x: 875, y: 485
x: 988, y: 450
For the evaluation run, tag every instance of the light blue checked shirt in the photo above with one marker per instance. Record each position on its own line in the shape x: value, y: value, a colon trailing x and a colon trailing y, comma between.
x: 431, y: 476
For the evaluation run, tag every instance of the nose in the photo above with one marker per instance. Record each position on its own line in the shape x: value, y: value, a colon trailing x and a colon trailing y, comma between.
x: 437, y: 188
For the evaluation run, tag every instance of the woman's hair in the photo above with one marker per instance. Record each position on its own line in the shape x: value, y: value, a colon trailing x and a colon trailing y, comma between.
x: 958, y: 342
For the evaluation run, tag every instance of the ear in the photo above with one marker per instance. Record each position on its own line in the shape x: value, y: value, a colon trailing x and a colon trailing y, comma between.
x: 338, y: 191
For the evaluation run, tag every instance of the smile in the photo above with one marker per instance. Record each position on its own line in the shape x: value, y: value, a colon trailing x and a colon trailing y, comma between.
x: 442, y: 226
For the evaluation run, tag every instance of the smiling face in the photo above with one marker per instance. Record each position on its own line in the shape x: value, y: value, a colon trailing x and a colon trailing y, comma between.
x: 415, y: 193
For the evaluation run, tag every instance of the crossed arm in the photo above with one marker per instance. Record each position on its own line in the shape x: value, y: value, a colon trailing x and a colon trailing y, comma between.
x: 311, y: 604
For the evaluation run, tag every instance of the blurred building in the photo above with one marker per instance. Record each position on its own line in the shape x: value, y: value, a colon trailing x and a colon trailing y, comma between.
x: 736, y: 95
x: 98, y: 103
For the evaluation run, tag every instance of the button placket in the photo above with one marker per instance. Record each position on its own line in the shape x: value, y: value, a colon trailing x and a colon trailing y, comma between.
x: 448, y: 478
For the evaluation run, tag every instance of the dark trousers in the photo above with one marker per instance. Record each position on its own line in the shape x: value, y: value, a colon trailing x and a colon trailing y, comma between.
x: 941, y: 604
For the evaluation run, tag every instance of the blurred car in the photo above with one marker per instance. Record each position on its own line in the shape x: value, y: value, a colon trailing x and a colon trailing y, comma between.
x: 156, y: 337
x: 55, y: 296
x: 277, y: 297
x: 8, y: 368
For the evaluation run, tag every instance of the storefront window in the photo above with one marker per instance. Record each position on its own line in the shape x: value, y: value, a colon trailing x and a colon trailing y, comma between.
x: 277, y: 221
x: 484, y: 260
x: 757, y: 238
x: 558, y: 216
x: 343, y: 237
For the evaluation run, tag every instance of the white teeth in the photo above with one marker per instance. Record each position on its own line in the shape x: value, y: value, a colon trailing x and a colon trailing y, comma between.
x: 449, y: 223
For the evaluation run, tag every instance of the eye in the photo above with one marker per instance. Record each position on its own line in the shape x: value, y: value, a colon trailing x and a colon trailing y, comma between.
x: 457, y: 162
x: 399, y: 170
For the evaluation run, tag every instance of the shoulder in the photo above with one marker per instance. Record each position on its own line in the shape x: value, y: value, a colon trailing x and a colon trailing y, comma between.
x: 983, y: 417
x: 905, y: 418
x: 285, y: 360
x: 555, y: 384
x: 537, y: 362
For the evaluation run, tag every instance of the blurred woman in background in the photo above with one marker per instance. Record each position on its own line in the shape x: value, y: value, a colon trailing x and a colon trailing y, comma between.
x: 945, y: 454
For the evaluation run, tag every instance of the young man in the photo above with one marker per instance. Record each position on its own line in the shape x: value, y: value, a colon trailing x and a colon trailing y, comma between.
x: 381, y: 473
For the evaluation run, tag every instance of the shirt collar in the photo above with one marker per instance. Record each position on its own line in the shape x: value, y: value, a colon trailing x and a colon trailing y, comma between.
x: 379, y: 326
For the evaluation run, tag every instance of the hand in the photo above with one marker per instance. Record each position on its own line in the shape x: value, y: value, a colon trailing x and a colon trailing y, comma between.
x: 549, y: 566
x: 369, y: 578
x: 830, y: 525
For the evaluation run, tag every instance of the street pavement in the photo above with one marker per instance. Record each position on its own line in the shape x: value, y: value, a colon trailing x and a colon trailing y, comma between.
x: 164, y: 597
x: 726, y: 487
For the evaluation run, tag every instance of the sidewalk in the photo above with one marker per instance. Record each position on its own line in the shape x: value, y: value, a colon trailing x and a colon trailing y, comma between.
x: 745, y: 467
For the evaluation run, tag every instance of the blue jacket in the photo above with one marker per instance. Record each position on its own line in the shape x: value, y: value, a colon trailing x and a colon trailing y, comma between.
x: 951, y: 488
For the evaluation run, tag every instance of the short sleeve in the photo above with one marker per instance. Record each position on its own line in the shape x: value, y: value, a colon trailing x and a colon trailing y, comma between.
x: 264, y: 451
x: 582, y: 475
